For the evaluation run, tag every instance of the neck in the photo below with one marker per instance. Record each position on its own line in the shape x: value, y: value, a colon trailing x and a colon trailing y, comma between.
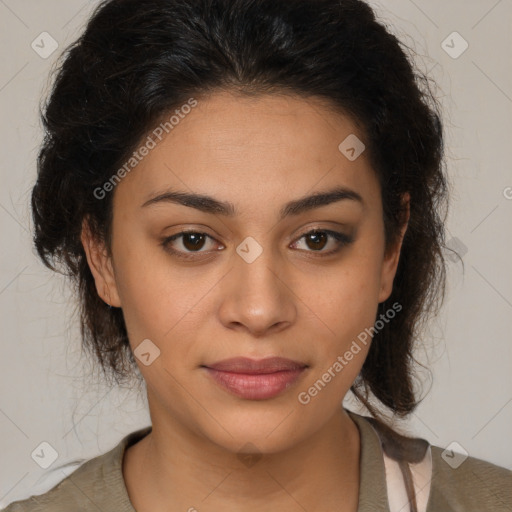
x: 175, y: 469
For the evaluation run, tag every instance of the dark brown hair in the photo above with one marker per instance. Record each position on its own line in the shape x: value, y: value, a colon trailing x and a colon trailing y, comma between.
x: 140, y: 59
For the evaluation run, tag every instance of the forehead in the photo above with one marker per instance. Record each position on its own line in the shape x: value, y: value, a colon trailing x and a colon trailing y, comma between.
x: 271, y: 145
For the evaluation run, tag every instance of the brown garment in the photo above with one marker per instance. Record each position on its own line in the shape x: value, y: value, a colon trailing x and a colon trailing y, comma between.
x: 475, y: 486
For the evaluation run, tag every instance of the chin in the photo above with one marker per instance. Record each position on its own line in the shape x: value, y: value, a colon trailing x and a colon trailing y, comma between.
x: 275, y: 432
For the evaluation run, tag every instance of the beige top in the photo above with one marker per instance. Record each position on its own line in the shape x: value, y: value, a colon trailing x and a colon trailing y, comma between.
x: 476, y: 485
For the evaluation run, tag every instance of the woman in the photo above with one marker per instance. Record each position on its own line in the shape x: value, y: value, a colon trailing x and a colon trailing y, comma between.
x: 249, y: 195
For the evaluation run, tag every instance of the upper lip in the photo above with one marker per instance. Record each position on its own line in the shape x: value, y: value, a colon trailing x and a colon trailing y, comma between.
x: 256, y: 366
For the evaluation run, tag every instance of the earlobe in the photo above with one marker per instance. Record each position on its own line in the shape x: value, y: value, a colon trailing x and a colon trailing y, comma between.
x: 392, y: 256
x: 100, y: 264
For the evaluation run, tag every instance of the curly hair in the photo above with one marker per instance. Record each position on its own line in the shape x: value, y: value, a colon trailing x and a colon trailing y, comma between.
x: 140, y: 59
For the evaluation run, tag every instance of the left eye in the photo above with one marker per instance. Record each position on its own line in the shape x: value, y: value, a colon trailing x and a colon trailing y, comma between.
x: 317, y: 238
x: 194, y: 241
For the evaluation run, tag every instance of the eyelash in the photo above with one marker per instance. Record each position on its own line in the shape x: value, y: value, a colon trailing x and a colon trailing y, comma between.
x: 342, y: 239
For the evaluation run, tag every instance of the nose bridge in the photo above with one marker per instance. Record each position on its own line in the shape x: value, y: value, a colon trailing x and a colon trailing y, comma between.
x: 258, y: 296
x: 254, y: 268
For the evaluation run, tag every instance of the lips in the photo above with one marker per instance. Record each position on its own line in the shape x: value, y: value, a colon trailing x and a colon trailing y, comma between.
x: 255, y: 380
x: 254, y: 367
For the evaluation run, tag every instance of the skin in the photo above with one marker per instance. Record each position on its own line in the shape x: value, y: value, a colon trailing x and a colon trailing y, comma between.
x: 258, y: 154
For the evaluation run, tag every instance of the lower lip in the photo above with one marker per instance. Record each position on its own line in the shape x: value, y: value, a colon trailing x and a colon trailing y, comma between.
x: 255, y: 387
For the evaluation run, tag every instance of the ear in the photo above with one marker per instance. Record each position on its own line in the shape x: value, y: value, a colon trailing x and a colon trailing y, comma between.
x: 100, y: 263
x: 392, y: 255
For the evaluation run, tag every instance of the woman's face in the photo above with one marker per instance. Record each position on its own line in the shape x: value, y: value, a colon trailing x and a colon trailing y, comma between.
x: 251, y: 282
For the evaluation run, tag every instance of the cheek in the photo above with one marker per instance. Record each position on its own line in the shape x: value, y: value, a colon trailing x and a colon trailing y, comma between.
x: 149, y: 303
x: 346, y: 298
x: 341, y: 313
x: 161, y: 301
x: 346, y: 320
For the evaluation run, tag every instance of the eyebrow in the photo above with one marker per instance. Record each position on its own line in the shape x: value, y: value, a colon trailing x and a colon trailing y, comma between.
x: 208, y: 204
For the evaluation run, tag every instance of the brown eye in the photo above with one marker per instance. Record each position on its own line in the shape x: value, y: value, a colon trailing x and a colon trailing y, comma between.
x: 318, y: 239
x: 191, y: 242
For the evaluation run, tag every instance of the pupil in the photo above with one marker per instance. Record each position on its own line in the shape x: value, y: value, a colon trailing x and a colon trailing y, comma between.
x: 314, y: 238
x: 194, y: 244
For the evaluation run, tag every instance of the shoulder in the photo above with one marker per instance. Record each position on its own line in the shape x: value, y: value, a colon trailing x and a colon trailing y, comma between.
x: 72, y: 493
x: 468, y: 483
x: 96, y: 485
x: 456, y: 483
x: 77, y: 492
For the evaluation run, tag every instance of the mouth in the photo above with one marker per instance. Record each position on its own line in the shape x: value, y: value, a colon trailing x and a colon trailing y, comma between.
x: 256, y: 379
x: 250, y: 366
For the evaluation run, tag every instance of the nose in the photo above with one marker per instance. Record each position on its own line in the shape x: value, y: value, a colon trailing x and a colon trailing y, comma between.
x: 257, y: 298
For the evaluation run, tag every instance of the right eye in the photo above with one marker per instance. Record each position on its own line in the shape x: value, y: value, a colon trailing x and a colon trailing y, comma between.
x: 190, y: 241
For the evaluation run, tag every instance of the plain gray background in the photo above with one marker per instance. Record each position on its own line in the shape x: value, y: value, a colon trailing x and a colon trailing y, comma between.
x: 49, y: 393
